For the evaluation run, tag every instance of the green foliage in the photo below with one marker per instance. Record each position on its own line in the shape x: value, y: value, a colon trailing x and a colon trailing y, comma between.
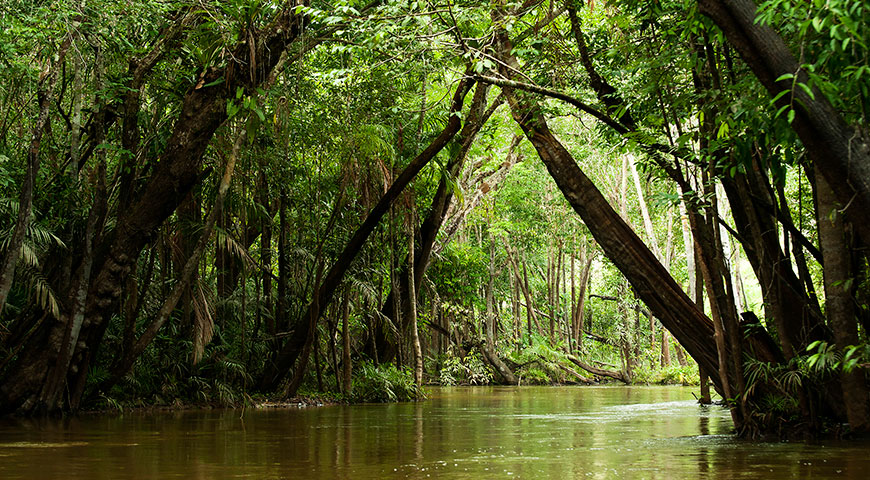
x: 384, y: 383
x: 534, y: 376
x: 468, y: 370
x: 539, y: 362
x: 39, y: 240
x: 786, y: 378
x: 674, y: 374
x: 824, y: 357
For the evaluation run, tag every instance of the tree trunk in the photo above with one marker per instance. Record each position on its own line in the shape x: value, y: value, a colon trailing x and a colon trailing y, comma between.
x: 25, y: 197
x: 186, y: 274
x: 478, y: 115
x: 839, y: 301
x: 291, y: 350
x: 203, y: 110
x: 503, y: 371
x: 839, y: 151
x: 650, y: 280
x: 347, y: 385
x: 412, y: 306
x: 666, y: 349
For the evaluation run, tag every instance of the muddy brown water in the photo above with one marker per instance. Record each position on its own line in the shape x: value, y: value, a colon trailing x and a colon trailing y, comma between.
x: 458, y: 433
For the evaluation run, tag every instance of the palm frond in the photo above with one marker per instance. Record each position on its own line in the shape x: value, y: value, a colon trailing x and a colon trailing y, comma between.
x: 231, y: 245
x: 28, y: 257
x: 203, y: 322
x: 371, y: 141
x: 43, y: 294
x: 42, y: 236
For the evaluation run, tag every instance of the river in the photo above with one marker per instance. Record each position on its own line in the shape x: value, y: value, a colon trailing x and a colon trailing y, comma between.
x: 458, y: 433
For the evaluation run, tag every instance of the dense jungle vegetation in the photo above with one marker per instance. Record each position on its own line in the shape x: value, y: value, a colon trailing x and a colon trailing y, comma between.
x: 225, y: 201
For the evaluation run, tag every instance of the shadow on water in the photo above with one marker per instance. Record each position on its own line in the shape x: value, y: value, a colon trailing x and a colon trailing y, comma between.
x: 481, y: 432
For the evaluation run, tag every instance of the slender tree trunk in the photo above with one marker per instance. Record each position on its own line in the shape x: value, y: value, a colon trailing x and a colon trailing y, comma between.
x: 25, y: 198
x: 666, y: 349
x: 478, y: 115
x: 490, y: 287
x: 347, y: 385
x: 317, y: 368
x: 573, y: 334
x: 266, y: 262
x: 412, y: 305
x: 334, y: 322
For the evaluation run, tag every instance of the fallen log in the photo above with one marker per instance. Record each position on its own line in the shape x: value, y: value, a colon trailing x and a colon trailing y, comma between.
x: 576, y: 375
x: 599, y: 371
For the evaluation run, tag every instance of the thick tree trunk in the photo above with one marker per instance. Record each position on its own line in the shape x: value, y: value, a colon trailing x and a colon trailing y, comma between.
x: 840, y: 152
x: 840, y: 303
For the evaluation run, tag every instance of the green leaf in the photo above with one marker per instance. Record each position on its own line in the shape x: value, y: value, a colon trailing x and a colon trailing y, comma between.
x: 807, y: 90
x: 780, y: 95
x: 216, y: 82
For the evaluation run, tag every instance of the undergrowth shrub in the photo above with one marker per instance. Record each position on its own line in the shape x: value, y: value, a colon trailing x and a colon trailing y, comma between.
x: 674, y: 374
x: 471, y: 370
x: 384, y: 383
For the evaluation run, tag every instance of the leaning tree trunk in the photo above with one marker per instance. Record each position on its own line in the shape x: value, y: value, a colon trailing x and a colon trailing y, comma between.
x: 651, y: 281
x: 477, y: 117
x: 288, y: 355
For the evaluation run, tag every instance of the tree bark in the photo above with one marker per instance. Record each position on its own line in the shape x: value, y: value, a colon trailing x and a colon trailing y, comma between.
x: 840, y: 302
x: 186, y: 274
x: 202, y: 112
x: 347, y: 385
x: 412, y: 306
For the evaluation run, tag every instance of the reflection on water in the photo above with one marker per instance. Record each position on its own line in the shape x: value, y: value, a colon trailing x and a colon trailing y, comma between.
x: 497, y: 432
